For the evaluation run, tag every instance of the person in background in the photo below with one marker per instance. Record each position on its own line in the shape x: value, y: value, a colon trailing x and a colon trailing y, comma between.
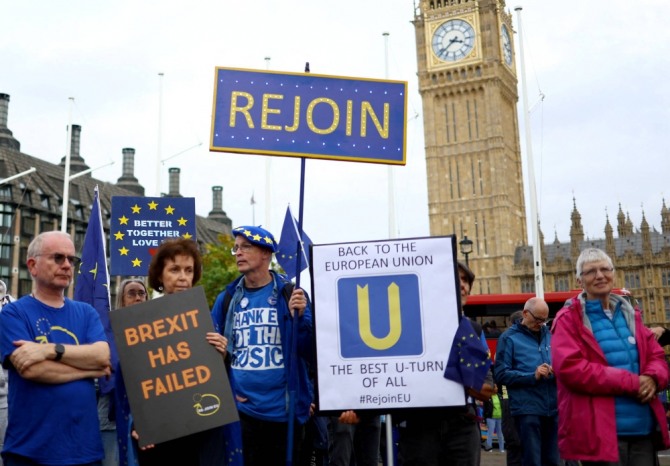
x: 512, y: 441
x: 264, y: 305
x: 523, y: 365
x: 447, y: 436
x: 131, y: 291
x: 54, y: 349
x: 493, y: 415
x: 354, y: 439
x: 5, y: 299
x: 609, y: 369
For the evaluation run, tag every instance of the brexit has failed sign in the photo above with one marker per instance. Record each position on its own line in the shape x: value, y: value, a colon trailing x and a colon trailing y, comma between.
x: 140, y: 224
x: 387, y: 317
x: 176, y: 381
x: 309, y: 115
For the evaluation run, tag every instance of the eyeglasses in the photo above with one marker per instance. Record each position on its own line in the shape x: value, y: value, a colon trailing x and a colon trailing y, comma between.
x: 136, y: 293
x: 606, y: 271
x: 60, y: 258
x: 539, y: 320
x: 245, y: 247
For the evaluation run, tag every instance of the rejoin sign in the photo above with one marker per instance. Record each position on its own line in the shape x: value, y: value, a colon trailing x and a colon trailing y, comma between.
x: 308, y: 115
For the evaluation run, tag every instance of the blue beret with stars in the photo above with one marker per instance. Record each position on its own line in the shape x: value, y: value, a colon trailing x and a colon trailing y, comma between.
x: 258, y: 236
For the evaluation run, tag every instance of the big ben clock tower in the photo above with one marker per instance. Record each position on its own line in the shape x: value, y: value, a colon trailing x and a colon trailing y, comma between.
x: 468, y: 84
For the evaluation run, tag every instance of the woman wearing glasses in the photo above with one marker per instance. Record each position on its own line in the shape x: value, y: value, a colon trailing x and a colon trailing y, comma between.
x: 131, y: 291
x: 609, y: 369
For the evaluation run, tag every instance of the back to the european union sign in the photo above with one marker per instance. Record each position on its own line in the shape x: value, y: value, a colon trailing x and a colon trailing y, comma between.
x: 309, y: 115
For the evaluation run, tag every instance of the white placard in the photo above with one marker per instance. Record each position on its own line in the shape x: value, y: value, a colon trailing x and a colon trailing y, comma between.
x: 386, y: 313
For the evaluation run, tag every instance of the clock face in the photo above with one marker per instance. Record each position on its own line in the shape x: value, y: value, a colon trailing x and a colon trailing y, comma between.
x: 453, y: 40
x: 506, y: 45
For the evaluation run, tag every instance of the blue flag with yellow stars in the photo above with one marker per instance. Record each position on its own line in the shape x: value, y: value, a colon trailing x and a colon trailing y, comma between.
x: 140, y: 224
x: 469, y: 359
x: 288, y: 247
x: 92, y: 284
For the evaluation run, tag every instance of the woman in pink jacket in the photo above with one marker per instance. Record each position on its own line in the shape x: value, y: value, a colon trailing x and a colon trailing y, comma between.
x: 608, y: 368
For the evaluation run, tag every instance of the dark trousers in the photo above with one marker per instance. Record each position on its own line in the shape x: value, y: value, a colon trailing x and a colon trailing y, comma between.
x: 17, y: 460
x: 357, y: 442
x: 512, y: 442
x: 633, y: 451
x: 453, y: 440
x: 264, y: 442
x: 539, y: 439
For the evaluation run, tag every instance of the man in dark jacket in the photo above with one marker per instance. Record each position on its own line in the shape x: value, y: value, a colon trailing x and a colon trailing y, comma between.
x: 523, y: 364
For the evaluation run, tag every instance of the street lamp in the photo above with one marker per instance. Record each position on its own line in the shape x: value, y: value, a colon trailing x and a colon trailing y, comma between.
x: 466, y: 248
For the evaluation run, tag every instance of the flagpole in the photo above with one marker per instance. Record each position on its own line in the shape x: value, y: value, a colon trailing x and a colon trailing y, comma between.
x: 160, y: 135
x: 66, y: 175
x: 534, y: 221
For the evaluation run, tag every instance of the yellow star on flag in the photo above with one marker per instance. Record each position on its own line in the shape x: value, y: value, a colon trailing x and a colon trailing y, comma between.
x: 123, y: 220
x: 123, y: 251
x: 152, y: 205
x: 187, y: 236
x: 94, y: 271
x: 136, y: 209
x: 182, y: 222
x: 118, y: 235
x: 169, y: 210
x: 137, y: 262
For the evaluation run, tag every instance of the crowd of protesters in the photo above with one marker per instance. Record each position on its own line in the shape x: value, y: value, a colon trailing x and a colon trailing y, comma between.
x: 589, y: 389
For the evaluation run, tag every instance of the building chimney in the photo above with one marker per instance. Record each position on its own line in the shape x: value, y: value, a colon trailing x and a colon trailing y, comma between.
x: 128, y: 180
x: 174, y: 182
x: 6, y: 137
x: 217, y: 212
x: 77, y: 162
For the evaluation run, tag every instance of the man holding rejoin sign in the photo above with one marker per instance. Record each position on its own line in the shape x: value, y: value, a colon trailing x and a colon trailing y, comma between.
x: 255, y: 314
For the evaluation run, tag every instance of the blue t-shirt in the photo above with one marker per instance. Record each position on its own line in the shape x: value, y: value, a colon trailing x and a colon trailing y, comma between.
x: 52, y: 424
x: 257, y: 357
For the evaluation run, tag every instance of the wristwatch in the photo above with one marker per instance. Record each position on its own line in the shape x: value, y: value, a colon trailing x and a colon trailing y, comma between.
x: 60, y: 350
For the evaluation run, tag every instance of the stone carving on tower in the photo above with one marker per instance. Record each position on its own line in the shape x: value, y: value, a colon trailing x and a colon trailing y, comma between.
x: 468, y: 84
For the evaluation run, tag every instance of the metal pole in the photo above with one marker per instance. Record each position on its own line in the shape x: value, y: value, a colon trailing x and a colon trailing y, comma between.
x: 18, y: 175
x: 389, y: 170
x: 160, y: 135
x: 535, y: 226
x: 66, y: 175
x: 268, y: 177
x: 392, y: 234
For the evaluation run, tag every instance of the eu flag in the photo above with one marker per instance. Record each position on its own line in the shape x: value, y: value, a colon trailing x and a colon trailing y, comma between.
x: 469, y: 360
x: 287, y: 256
x: 92, y: 285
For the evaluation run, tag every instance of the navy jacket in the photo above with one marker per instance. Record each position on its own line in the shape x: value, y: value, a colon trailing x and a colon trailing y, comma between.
x: 517, y: 356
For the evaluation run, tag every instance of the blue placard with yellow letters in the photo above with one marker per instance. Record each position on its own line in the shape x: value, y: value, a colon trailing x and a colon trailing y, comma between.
x: 309, y: 115
x: 140, y: 224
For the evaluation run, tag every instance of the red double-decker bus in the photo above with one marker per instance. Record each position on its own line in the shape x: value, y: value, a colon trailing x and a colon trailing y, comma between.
x: 498, y: 307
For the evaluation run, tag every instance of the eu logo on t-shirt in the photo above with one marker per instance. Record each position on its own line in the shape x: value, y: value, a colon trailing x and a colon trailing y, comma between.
x: 379, y: 316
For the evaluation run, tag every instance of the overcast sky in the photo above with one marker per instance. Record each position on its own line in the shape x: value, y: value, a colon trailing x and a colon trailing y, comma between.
x: 600, y: 134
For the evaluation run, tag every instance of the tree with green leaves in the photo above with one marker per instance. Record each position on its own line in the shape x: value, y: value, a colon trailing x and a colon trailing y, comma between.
x: 219, y: 268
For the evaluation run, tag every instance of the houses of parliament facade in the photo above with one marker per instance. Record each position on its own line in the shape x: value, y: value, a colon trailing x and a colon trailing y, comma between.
x: 468, y: 85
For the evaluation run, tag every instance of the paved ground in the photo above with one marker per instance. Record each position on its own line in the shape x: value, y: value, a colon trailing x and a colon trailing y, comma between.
x: 498, y: 459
